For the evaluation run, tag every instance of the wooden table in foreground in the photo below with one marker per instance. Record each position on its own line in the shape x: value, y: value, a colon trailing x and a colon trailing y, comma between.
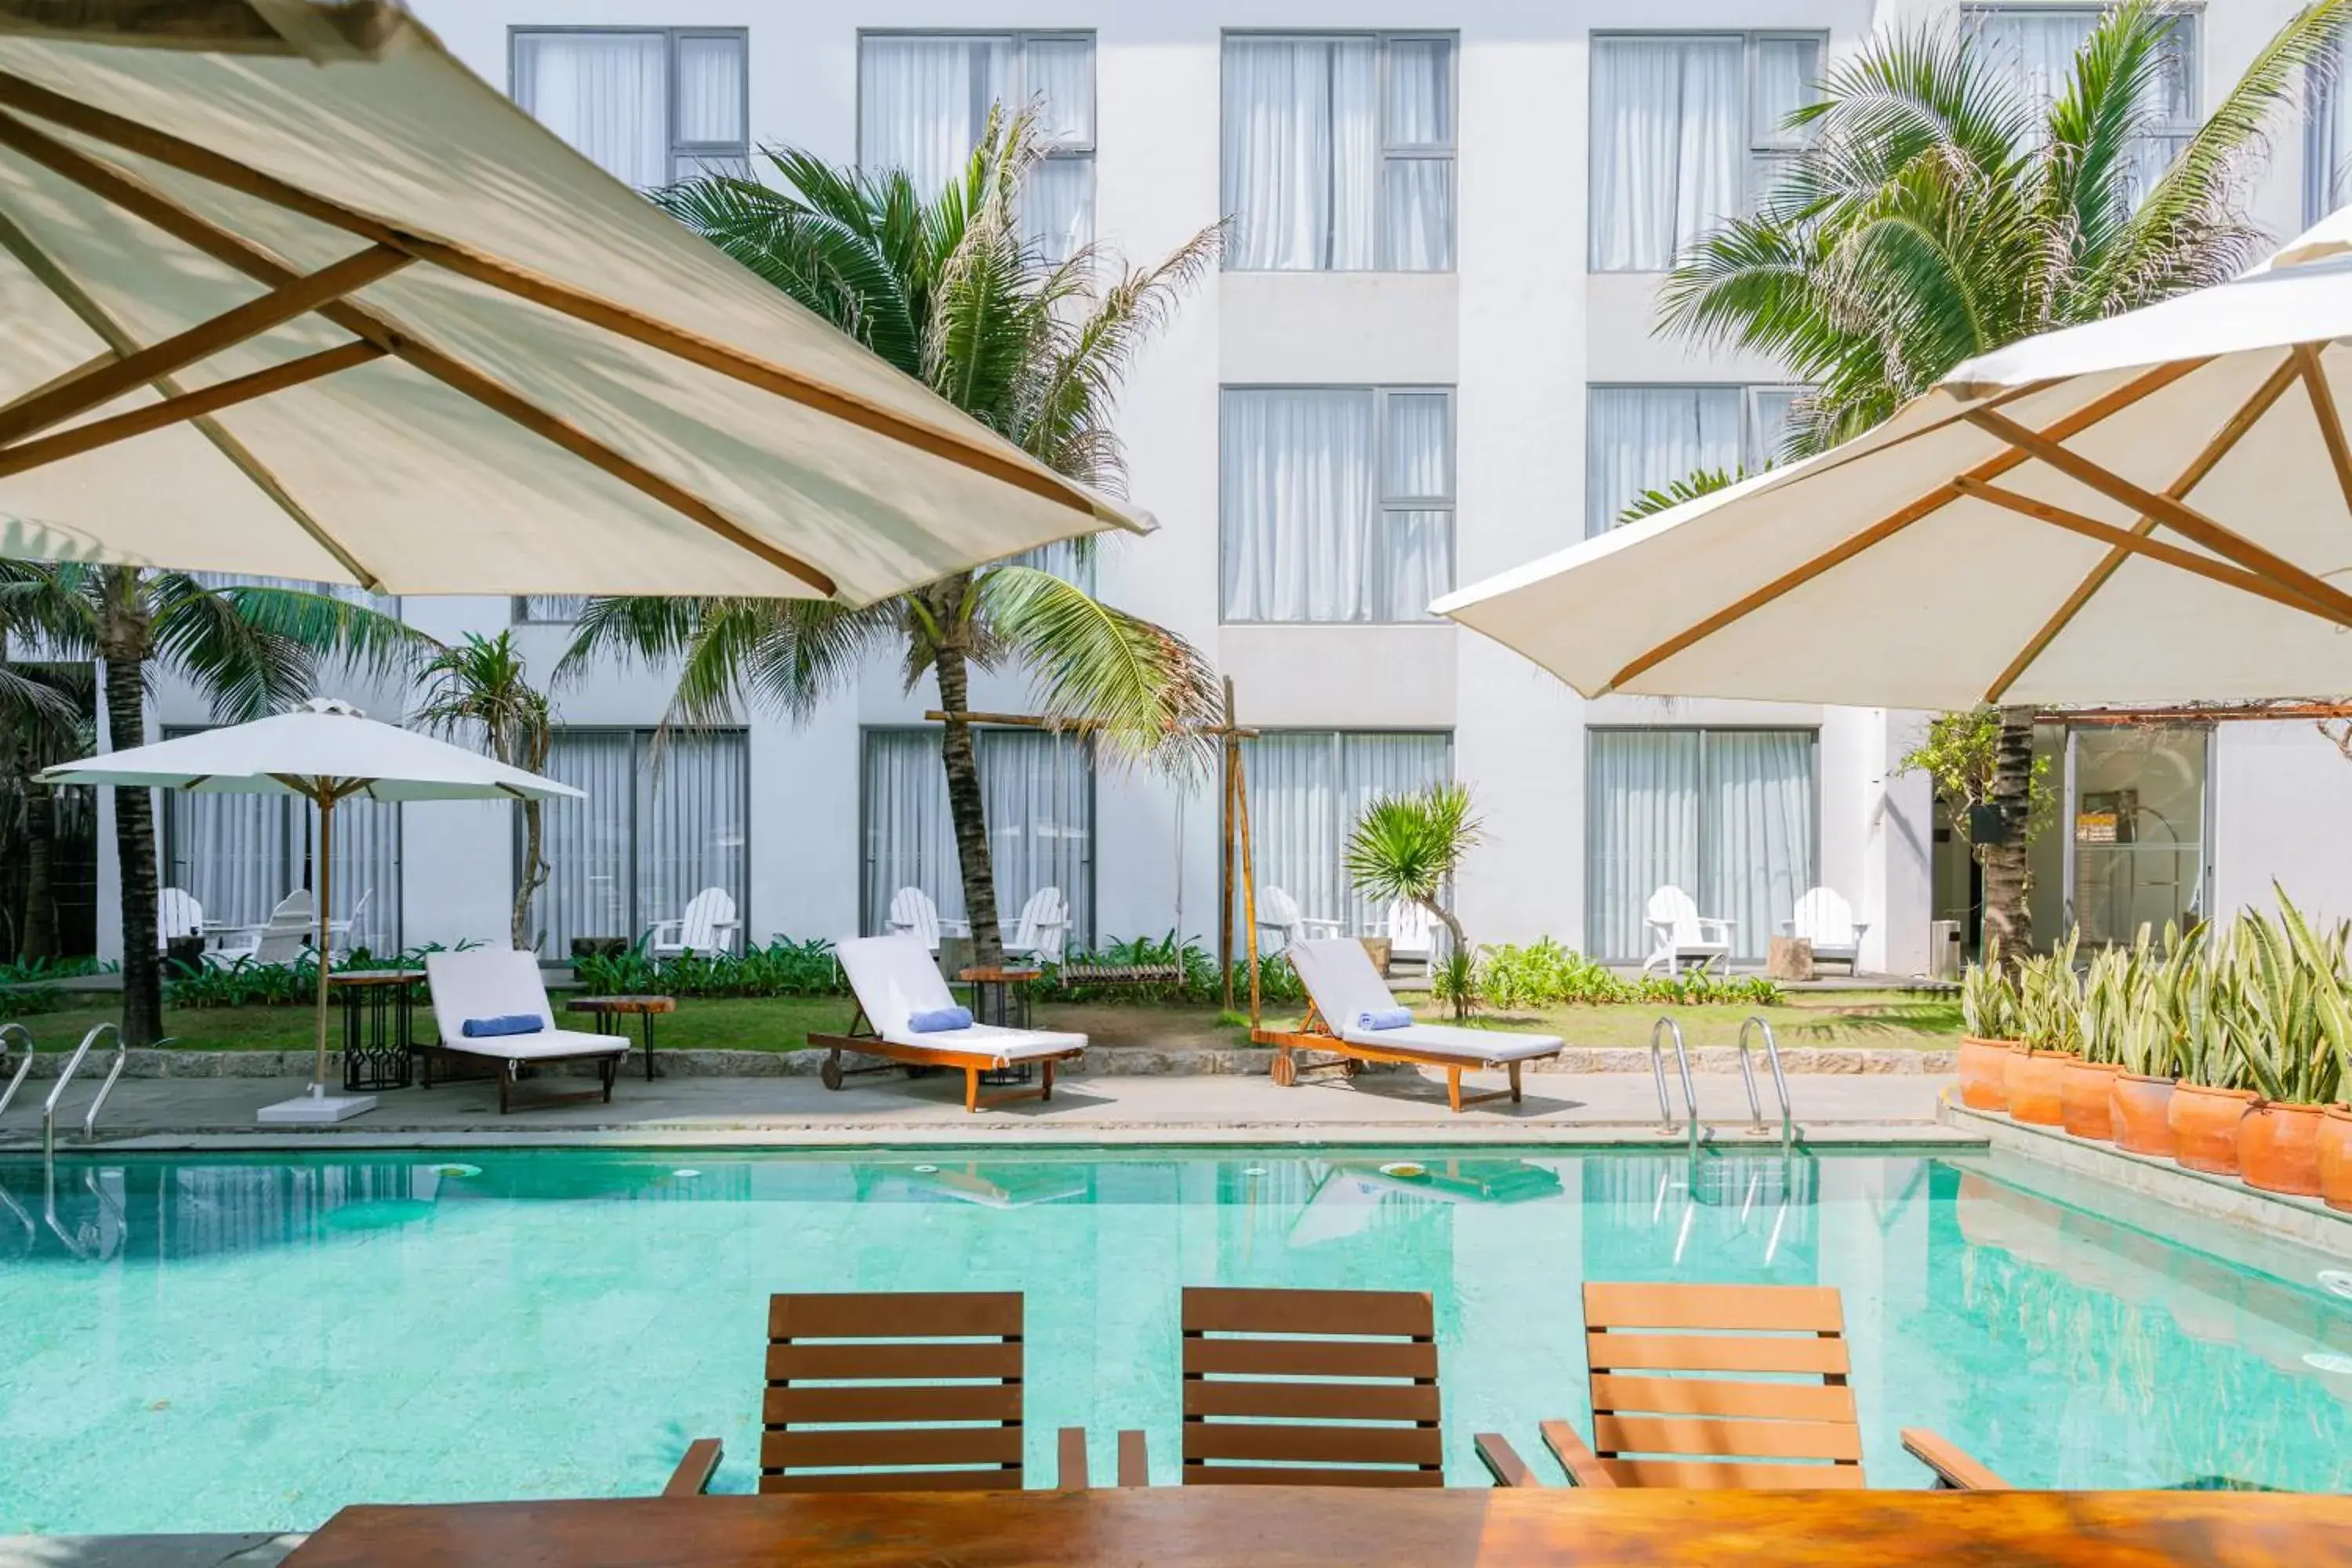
x: 1271, y: 1527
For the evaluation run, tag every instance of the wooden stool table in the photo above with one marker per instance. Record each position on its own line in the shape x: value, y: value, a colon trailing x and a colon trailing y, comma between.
x: 644, y: 1008
x: 999, y: 997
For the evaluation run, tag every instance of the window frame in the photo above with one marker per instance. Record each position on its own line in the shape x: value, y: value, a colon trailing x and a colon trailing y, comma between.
x: 679, y: 149
x: 519, y: 612
x: 1749, y: 424
x: 1383, y: 504
x: 1390, y: 151
x: 2324, y: 91
x: 1757, y: 153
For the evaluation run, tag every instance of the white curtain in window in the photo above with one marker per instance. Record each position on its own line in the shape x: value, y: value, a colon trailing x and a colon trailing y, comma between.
x: 1060, y: 83
x: 1786, y: 71
x: 1302, y: 153
x: 1759, y: 832
x: 557, y: 609
x: 711, y: 89
x: 366, y: 886
x: 1413, y: 560
x: 1297, y: 476
x: 1037, y: 795
x: 1057, y: 205
x: 1641, y: 438
x: 909, y: 838
x: 2036, y: 48
x: 1770, y: 410
x: 1668, y: 146
x: 604, y: 93
x: 1418, y: 198
x: 923, y: 102
x: 2327, y: 150
x: 1306, y: 790
x: 586, y: 842
x: 1642, y: 833
x: 693, y: 792
x: 1373, y: 765
x: 239, y: 855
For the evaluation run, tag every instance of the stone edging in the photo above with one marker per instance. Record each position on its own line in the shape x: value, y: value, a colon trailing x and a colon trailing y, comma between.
x: 1120, y: 1061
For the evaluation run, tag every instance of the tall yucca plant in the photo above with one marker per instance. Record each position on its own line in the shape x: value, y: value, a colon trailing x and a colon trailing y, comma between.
x: 481, y: 690
x: 1934, y: 216
x: 2292, y: 988
x: 1409, y: 846
x: 944, y: 285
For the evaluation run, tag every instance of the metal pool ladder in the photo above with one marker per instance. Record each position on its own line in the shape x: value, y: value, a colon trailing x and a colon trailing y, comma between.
x: 1658, y: 1072
x: 21, y: 1037
x: 1756, y: 1127
x: 89, y: 1121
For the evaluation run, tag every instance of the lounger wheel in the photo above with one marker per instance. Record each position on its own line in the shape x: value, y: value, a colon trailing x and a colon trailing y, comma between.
x: 1285, y: 1071
x: 831, y: 1073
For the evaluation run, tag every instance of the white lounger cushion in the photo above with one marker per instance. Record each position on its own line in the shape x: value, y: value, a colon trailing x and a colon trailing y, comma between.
x: 498, y: 983
x: 1339, y: 975
x: 896, y: 977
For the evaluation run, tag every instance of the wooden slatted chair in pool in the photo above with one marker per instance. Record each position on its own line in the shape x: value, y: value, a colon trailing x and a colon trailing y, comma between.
x: 1720, y: 1387
x: 1323, y: 1388
x: 858, y: 1382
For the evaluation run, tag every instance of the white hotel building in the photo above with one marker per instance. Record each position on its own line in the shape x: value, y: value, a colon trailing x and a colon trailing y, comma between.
x: 1428, y: 356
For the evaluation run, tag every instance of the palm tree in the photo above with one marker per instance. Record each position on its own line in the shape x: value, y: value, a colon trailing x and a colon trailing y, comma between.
x: 945, y: 288
x: 1409, y: 846
x: 251, y: 649
x: 481, y: 687
x: 1934, y: 215
x: 46, y: 711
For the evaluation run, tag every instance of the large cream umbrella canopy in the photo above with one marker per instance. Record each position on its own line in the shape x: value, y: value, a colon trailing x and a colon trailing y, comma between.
x: 2148, y: 510
x: 285, y: 289
x: 325, y: 753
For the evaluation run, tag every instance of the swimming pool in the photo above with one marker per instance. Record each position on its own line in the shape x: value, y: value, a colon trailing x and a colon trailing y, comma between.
x: 252, y: 1342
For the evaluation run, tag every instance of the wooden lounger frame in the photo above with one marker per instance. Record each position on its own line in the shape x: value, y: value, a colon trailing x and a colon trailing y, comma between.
x: 863, y: 1039
x: 1738, y: 1427
x: 1349, y: 1056
x: 506, y: 1070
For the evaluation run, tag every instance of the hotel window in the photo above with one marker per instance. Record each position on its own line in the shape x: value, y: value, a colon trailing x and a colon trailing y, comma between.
x: 1305, y: 789
x: 1727, y: 816
x: 2036, y: 45
x: 659, y: 823
x: 1336, y: 502
x: 2327, y: 137
x: 1643, y: 438
x: 2139, y: 850
x: 1339, y: 152
x: 1037, y: 795
x: 923, y: 102
x: 238, y: 855
x: 1687, y: 130
x: 647, y: 105
x: 548, y: 609
x: 350, y: 592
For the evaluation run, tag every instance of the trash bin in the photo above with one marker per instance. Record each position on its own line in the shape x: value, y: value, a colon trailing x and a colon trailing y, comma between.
x: 1944, y: 949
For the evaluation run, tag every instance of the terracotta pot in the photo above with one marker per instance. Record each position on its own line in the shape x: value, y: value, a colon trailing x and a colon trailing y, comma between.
x: 2032, y: 1082
x: 2278, y: 1148
x: 2084, y: 1092
x: 1984, y: 1073
x: 2205, y: 1127
x: 2139, y: 1108
x: 2336, y: 1157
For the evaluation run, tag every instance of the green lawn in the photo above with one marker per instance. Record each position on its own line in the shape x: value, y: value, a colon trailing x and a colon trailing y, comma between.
x: 1882, y: 1019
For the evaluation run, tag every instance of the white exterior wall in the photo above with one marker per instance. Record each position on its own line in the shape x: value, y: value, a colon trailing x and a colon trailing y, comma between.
x: 1520, y: 328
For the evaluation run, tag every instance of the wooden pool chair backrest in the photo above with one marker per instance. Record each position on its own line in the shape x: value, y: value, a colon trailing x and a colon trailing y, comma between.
x: 1729, y: 1426
x: 1351, y: 1402
x: 854, y: 1381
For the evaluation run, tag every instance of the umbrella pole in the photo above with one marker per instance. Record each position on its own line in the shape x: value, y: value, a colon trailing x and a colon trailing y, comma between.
x: 326, y: 880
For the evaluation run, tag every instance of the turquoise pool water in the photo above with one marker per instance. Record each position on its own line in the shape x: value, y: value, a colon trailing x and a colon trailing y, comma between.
x: 251, y: 1343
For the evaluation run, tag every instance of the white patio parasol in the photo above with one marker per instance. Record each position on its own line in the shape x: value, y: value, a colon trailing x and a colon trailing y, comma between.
x: 326, y: 752
x: 288, y: 290
x: 2152, y: 509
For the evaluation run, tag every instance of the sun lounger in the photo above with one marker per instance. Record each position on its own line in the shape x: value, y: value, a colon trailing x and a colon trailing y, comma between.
x: 486, y: 982
x: 896, y: 978
x: 1342, y: 986
x: 1773, y: 1409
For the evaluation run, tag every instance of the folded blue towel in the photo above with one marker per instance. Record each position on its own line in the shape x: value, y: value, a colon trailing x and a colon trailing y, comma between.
x: 508, y: 1023
x: 940, y: 1020
x: 1386, y: 1018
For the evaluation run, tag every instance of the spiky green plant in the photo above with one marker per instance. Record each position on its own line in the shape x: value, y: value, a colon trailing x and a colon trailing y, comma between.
x: 2153, y: 1042
x: 2211, y: 1002
x: 2282, y: 1048
x: 2050, y: 1000
x: 1409, y: 846
x: 1454, y: 981
x: 2112, y: 989
x: 1989, y: 997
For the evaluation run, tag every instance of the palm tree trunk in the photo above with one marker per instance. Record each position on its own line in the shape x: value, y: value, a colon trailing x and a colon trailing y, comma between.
x: 534, y: 877
x: 123, y: 645
x: 39, y: 939
x: 966, y: 810
x: 2006, y: 880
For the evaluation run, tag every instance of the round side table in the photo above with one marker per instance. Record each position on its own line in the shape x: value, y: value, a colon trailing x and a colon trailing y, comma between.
x: 608, y: 1008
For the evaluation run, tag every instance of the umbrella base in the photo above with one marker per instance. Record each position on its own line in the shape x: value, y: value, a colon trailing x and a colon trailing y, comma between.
x: 314, y: 1108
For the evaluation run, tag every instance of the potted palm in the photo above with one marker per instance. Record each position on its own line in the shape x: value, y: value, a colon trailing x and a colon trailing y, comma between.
x: 2292, y: 975
x: 1989, y: 1029
x: 2115, y: 985
x: 2208, y: 1102
x: 2050, y: 1035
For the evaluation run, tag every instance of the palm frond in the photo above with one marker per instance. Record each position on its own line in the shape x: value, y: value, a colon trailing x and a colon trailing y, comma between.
x: 255, y: 650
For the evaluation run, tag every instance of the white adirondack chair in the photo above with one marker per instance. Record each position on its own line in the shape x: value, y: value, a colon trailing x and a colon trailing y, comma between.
x: 1682, y: 933
x: 912, y: 913
x: 709, y: 925
x: 339, y: 932
x: 1278, y: 916
x: 177, y: 914
x: 1824, y: 919
x: 1412, y: 931
x: 1044, y: 929
x: 280, y: 941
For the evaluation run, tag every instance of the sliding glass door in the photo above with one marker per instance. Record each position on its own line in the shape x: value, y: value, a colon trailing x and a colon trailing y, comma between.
x: 1037, y: 796
x: 1305, y: 789
x: 663, y: 820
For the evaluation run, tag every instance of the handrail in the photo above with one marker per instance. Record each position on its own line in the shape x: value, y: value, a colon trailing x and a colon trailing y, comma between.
x: 73, y: 1065
x: 1779, y: 1082
x: 1658, y: 1072
x: 14, y: 1032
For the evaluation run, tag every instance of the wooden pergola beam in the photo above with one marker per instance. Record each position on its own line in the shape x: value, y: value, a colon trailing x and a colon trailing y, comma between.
x: 99, y: 433
x: 1927, y: 505
x: 173, y: 152
x: 126, y: 191
x: 103, y: 384
x: 2249, y: 414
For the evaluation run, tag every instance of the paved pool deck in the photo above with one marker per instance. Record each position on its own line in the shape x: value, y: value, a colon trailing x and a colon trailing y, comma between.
x: 1602, y: 1108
